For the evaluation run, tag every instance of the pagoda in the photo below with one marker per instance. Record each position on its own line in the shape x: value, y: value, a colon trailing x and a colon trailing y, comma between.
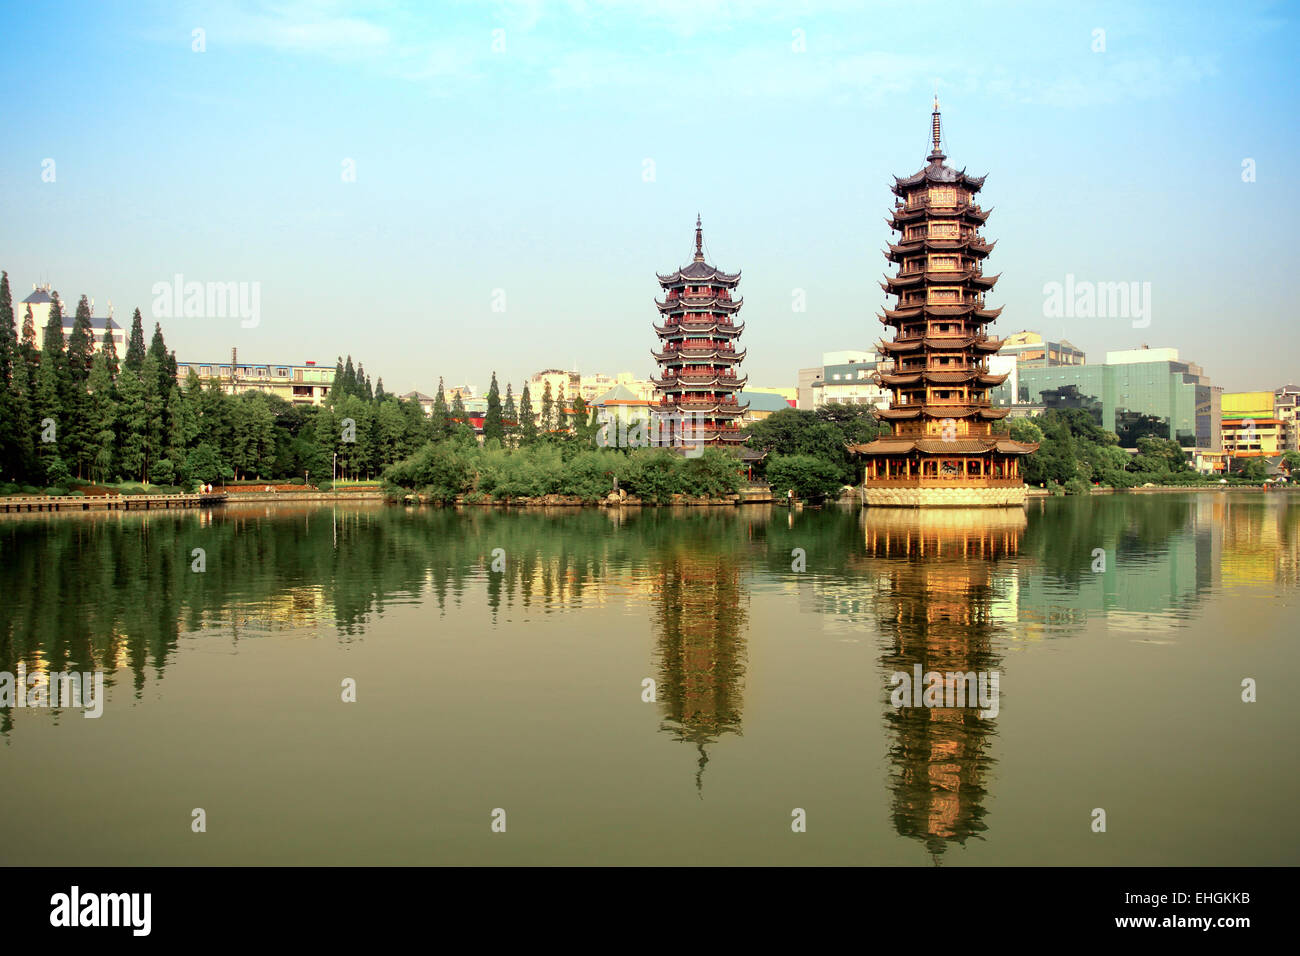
x: 942, y: 450
x: 699, y: 364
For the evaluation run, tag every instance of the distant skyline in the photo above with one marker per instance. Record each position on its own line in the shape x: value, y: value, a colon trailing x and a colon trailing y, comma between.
x: 551, y: 157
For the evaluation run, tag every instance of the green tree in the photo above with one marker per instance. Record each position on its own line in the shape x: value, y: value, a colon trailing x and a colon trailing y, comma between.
x: 492, y: 423
x: 135, y: 343
x: 546, y: 424
x: 527, y: 420
x: 52, y: 387
x: 10, y: 456
x: 510, y: 414
x: 103, y: 419
x: 441, y: 417
x: 807, y: 475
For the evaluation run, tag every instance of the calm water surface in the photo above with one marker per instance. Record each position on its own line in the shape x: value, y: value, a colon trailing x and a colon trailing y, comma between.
x: 522, y: 689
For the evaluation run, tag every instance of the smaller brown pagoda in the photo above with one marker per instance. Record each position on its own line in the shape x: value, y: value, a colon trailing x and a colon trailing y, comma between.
x: 942, y: 450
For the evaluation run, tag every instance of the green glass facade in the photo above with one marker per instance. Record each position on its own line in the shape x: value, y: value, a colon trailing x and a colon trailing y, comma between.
x: 1162, y: 399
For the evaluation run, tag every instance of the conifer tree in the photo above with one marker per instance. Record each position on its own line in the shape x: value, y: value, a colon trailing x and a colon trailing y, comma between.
x: 135, y: 343
x: 441, y: 418
x: 50, y: 391
x: 103, y: 415
x: 546, y: 424
x: 9, y: 455
x: 458, y: 415
x: 108, y: 346
x: 336, y: 387
x: 527, y: 420
x: 510, y: 414
x: 492, y: 424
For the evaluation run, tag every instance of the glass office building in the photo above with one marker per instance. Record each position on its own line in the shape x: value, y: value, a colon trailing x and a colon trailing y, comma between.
x: 1134, y: 394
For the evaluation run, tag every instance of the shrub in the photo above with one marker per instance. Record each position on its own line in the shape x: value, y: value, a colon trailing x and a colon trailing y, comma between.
x: 1077, y: 486
x: 809, y: 477
x: 325, y: 485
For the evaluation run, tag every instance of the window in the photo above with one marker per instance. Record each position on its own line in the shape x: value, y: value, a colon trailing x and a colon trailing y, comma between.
x: 943, y: 196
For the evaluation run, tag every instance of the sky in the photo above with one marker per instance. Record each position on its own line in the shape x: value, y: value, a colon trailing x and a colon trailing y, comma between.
x: 448, y: 189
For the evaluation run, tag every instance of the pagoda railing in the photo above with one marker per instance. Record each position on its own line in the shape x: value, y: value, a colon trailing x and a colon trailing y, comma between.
x: 698, y: 320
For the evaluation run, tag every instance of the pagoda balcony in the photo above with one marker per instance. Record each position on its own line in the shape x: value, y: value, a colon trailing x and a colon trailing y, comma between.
x: 964, y: 481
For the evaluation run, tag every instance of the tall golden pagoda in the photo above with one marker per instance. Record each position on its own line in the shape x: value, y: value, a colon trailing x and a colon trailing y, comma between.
x: 942, y: 450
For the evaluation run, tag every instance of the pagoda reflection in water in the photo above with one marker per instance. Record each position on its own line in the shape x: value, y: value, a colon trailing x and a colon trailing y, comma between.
x: 937, y: 609
x: 700, y: 614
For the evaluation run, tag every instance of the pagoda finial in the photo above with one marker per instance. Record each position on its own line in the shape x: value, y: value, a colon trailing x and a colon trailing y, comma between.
x: 936, y: 154
x: 699, y: 239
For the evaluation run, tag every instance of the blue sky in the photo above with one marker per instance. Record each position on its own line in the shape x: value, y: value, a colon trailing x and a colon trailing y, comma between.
x: 516, y: 161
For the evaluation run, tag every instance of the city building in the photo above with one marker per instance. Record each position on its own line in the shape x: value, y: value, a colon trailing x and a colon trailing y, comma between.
x: 759, y: 405
x: 426, y: 401
x: 1135, y: 393
x: 791, y: 395
x: 568, y: 384
x: 592, y: 387
x: 698, y: 359
x: 1031, y: 351
x: 306, y: 384
x: 942, y: 450
x: 807, y: 376
x: 1251, y: 428
x: 40, y: 302
x: 1286, y: 403
x: 849, y: 378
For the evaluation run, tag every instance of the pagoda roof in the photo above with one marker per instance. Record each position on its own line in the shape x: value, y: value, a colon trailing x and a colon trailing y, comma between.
x: 698, y: 304
x: 678, y: 382
x: 947, y: 345
x: 697, y: 272
x: 939, y: 311
x: 703, y: 325
x: 902, y: 213
x: 936, y: 171
x: 930, y: 446
x: 696, y: 354
x: 913, y: 246
x: 940, y: 378
x: 940, y: 278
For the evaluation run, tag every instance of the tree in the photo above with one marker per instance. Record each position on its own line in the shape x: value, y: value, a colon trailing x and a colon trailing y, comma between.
x: 52, y: 387
x: 9, y: 446
x: 336, y: 386
x: 510, y: 414
x: 492, y: 423
x: 527, y: 421
x: 103, y: 419
x: 441, y: 418
x: 76, y: 400
x: 547, y: 423
x: 807, y: 475
x: 458, y: 415
x: 135, y: 343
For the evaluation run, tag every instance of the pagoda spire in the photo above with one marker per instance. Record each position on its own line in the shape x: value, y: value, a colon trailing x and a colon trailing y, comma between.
x: 699, y: 239
x: 936, y: 154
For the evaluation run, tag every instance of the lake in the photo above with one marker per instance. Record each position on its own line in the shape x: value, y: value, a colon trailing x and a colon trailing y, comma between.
x: 657, y: 686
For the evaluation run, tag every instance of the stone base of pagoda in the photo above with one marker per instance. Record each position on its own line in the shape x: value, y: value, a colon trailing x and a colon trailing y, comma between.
x: 904, y: 493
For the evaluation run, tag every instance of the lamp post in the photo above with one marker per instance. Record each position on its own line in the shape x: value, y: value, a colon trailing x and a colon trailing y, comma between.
x: 334, y: 474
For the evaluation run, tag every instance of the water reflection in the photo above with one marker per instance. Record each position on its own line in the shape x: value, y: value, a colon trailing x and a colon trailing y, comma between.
x: 938, y: 612
x: 700, y: 616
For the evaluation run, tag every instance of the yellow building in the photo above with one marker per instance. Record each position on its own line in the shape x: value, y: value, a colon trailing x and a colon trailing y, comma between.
x: 1251, y: 425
